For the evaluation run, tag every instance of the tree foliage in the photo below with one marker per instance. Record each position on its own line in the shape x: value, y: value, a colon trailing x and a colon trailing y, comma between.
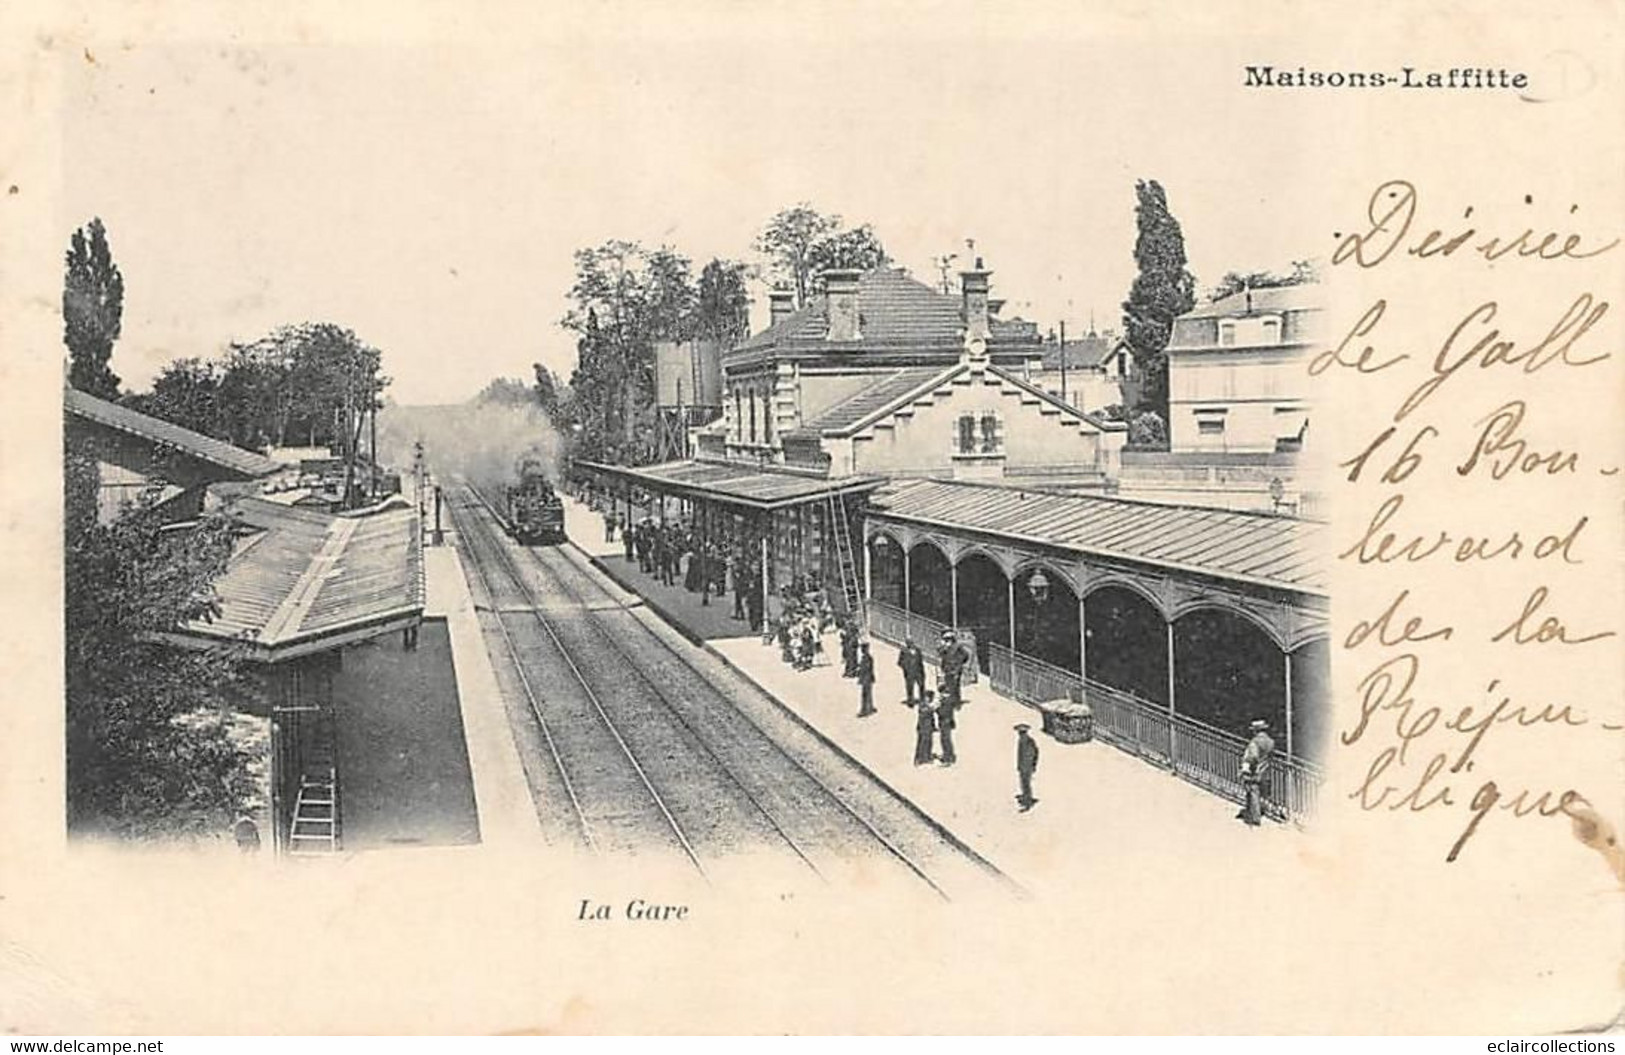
x: 187, y: 392
x: 800, y: 242
x: 92, y: 311
x: 1162, y: 291
x: 1301, y: 273
x: 1148, y: 430
x: 722, y: 303
x: 148, y: 750
x: 625, y: 298
x: 507, y: 392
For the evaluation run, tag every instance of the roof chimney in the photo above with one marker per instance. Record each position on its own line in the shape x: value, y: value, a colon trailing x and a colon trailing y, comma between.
x: 841, y: 302
x: 973, y: 294
x: 781, y: 302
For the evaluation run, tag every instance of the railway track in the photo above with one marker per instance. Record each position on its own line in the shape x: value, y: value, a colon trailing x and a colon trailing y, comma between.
x: 632, y: 718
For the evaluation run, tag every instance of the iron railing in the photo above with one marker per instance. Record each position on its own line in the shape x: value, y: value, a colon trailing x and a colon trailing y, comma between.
x: 1197, y: 752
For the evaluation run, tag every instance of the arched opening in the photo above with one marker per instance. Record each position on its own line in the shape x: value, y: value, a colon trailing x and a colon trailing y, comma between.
x: 1228, y: 671
x: 1311, y: 710
x: 929, y: 591
x: 984, y: 602
x: 1128, y: 643
x: 1046, y: 618
x: 886, y: 570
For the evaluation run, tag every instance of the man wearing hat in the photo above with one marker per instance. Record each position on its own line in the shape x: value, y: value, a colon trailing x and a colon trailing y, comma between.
x: 865, y: 674
x: 1026, y: 765
x: 1255, y: 762
x: 952, y: 659
x: 912, y: 662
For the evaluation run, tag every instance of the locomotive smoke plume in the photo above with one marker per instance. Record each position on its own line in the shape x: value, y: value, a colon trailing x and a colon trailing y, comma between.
x: 480, y: 442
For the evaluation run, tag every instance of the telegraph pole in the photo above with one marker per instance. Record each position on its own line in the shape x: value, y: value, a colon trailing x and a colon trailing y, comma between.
x: 1063, y: 361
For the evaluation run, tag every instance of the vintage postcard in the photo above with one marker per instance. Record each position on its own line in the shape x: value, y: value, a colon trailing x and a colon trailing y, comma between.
x: 812, y: 518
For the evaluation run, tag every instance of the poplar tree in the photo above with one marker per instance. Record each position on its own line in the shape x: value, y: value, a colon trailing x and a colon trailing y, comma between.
x: 92, y: 311
x: 1162, y: 291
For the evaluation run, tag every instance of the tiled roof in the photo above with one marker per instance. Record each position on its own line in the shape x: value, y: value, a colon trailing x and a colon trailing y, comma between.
x: 156, y: 430
x: 303, y: 574
x: 1268, y: 300
x: 1083, y: 353
x: 1279, y: 552
x: 738, y: 484
x: 885, y: 389
x: 893, y: 309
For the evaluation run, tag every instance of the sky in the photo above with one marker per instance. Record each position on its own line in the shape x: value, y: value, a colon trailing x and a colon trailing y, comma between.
x: 429, y: 193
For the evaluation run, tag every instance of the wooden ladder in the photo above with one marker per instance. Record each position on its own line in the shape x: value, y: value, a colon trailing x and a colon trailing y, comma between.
x: 851, y: 589
x: 315, y: 828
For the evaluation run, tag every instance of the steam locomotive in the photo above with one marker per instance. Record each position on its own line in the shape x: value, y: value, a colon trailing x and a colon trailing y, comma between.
x: 535, y: 512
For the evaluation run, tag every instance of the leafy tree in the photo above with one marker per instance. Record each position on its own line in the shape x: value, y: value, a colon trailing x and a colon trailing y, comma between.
x: 1162, y: 291
x: 148, y: 750
x: 1301, y: 273
x: 800, y: 242
x: 92, y: 311
x: 625, y: 298
x: 722, y: 304
x: 187, y: 392
x: 1147, y: 430
x: 858, y: 248
x: 507, y: 392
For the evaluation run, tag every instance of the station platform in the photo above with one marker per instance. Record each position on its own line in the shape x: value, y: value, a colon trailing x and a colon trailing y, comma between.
x: 1105, y: 822
x: 502, y: 800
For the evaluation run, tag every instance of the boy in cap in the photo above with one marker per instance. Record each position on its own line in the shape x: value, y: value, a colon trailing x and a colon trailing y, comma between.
x: 1026, y: 765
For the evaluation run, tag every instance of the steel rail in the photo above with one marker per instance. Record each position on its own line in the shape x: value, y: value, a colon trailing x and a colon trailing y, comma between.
x: 592, y: 697
x: 846, y: 807
x: 530, y: 692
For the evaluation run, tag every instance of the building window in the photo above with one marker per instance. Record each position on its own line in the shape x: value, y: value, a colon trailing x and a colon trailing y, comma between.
x: 1227, y: 333
x: 752, y: 395
x: 1210, y: 426
x: 1272, y: 331
x: 739, y: 416
x: 979, y: 434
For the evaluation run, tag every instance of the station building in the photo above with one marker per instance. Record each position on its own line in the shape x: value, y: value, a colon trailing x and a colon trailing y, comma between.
x: 880, y: 377
x: 300, y: 588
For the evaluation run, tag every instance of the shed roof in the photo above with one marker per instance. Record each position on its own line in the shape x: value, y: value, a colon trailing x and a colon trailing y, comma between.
x: 1262, y: 549
x: 303, y: 580
x: 156, y: 430
x: 735, y: 484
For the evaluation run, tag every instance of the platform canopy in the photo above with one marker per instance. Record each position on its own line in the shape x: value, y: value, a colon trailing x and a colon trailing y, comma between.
x: 1260, y: 549
x: 740, y: 485
x: 303, y: 581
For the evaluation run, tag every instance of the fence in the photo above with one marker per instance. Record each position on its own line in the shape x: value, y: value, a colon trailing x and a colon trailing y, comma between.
x: 1208, y: 757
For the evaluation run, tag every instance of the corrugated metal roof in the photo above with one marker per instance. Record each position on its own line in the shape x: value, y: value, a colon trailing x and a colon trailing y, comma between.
x: 156, y: 430
x: 893, y: 309
x: 304, y: 573
x: 739, y: 484
x: 1260, y: 548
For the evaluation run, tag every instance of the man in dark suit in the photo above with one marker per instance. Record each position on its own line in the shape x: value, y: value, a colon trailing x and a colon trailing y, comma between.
x: 952, y: 658
x: 912, y: 662
x: 947, y: 707
x: 1026, y: 766
x: 866, y: 680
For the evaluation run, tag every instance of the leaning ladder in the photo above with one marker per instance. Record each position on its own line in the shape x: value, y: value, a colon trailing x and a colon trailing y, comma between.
x: 315, y: 828
x: 851, y: 589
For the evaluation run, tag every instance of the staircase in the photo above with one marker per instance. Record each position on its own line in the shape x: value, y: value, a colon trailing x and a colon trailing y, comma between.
x: 841, y: 529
